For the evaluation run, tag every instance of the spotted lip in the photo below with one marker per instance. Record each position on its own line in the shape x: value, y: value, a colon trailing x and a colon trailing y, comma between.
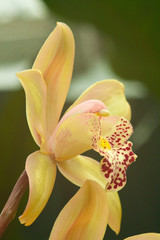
x: 118, y: 154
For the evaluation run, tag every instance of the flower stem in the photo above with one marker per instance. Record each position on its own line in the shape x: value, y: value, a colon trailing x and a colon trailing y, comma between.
x: 9, y: 211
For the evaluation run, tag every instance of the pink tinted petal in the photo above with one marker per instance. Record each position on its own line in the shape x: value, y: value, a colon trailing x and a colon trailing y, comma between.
x: 145, y: 236
x: 111, y: 93
x: 74, y: 136
x: 115, y: 164
x: 121, y: 132
x: 90, y: 106
x: 36, y: 95
x: 55, y: 61
x: 41, y: 171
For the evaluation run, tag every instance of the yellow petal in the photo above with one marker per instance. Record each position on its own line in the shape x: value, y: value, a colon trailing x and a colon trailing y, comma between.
x: 84, y: 216
x: 41, y: 171
x: 145, y: 236
x: 115, y: 211
x: 74, y: 136
x: 55, y: 61
x: 78, y: 170
x: 81, y: 168
x: 111, y: 92
x: 35, y: 90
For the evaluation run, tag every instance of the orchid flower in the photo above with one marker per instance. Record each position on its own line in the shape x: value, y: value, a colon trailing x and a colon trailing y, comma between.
x: 90, y: 123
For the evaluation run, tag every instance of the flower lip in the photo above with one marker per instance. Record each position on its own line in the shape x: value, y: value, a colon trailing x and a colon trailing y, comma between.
x: 117, y: 153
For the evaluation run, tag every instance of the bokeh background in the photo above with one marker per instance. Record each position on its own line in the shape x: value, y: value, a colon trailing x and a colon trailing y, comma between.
x: 114, y: 39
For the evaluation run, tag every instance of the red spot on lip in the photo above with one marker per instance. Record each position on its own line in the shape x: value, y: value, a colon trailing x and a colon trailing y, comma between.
x: 107, y: 175
x: 104, y: 160
x: 131, y: 153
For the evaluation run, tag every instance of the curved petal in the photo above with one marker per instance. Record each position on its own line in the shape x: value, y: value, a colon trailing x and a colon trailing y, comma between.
x: 41, y: 171
x: 84, y: 216
x: 115, y: 211
x: 55, y: 61
x: 82, y: 168
x: 35, y: 90
x: 74, y: 136
x: 90, y: 106
x: 145, y: 236
x: 111, y: 92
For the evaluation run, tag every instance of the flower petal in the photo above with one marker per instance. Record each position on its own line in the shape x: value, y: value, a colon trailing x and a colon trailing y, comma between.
x: 82, y: 168
x: 90, y: 106
x: 74, y: 136
x: 41, y: 171
x: 55, y: 61
x: 111, y: 92
x: 115, y: 211
x: 84, y: 216
x: 35, y: 90
x: 145, y: 236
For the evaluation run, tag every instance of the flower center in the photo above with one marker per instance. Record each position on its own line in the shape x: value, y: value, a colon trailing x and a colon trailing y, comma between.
x: 103, y: 143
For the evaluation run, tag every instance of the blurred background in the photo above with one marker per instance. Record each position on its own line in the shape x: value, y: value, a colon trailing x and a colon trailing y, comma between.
x: 114, y: 39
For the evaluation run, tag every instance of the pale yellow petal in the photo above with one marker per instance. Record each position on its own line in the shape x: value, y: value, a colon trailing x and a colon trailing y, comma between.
x: 74, y: 136
x: 84, y: 217
x: 81, y: 168
x: 55, y: 61
x: 145, y: 236
x: 115, y: 211
x: 35, y: 90
x: 41, y: 171
x: 111, y: 93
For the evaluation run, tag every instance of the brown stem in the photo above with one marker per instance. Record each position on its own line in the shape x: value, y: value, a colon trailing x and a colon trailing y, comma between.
x: 10, y: 208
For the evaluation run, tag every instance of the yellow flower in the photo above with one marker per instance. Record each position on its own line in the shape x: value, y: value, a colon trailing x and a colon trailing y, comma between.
x: 85, y: 125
